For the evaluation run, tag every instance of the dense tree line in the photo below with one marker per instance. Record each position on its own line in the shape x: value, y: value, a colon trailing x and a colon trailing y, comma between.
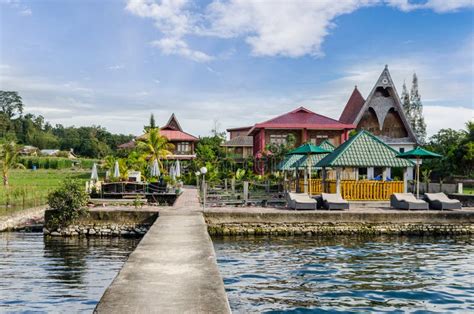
x: 29, y: 129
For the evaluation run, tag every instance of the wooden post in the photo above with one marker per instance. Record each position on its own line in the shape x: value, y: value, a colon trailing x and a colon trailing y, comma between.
x: 246, y: 191
x: 323, y: 180
x: 197, y: 183
x: 338, y: 181
x: 232, y: 185
x: 389, y: 172
x: 356, y: 173
x: 225, y: 184
x: 305, y: 181
x: 405, y: 180
x: 460, y: 188
x: 384, y: 174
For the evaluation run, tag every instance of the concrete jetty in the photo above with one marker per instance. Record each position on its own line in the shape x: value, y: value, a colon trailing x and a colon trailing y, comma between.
x: 173, y: 269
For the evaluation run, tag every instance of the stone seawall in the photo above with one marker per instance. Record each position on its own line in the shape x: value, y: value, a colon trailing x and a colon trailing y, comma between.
x: 106, y: 223
x: 332, y: 223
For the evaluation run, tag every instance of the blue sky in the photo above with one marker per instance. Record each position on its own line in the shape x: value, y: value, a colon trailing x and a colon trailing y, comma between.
x: 112, y: 63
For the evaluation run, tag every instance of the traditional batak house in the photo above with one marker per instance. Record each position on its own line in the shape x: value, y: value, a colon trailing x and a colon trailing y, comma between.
x: 184, y: 143
x: 305, y: 125
x: 382, y: 115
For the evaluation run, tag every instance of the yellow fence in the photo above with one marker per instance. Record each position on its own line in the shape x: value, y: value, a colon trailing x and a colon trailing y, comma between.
x: 362, y: 190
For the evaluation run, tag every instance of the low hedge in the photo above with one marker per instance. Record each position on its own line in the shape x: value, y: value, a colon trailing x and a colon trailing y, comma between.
x: 56, y: 162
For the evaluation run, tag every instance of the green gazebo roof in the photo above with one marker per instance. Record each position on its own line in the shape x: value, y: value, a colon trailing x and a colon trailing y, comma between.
x: 308, y: 148
x: 327, y: 146
x: 303, y: 162
x: 288, y: 161
x: 419, y: 153
x: 364, y: 150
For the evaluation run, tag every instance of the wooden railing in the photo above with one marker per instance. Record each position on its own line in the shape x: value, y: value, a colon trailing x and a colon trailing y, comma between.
x: 362, y: 190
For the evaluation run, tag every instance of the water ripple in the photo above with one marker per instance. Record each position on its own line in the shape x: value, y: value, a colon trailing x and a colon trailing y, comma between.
x: 348, y: 274
x: 57, y: 275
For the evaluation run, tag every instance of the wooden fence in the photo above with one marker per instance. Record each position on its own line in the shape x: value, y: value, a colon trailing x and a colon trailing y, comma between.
x: 362, y: 190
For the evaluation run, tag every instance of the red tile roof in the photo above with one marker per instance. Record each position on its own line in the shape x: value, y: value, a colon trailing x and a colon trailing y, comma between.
x: 174, y: 135
x: 353, y: 107
x: 302, y: 118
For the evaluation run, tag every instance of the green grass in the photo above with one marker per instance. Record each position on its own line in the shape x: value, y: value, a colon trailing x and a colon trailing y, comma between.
x: 30, y: 188
x: 468, y: 190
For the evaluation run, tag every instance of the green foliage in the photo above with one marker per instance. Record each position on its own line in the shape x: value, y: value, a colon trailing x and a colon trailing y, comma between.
x: 153, y: 146
x: 11, y: 104
x: 8, y: 159
x: 56, y: 162
x: 69, y: 201
x: 239, y: 174
x: 457, y: 148
x: 28, y: 129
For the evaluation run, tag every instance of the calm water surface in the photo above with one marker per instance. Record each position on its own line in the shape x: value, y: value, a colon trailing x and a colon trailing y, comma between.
x: 57, y: 275
x: 348, y: 274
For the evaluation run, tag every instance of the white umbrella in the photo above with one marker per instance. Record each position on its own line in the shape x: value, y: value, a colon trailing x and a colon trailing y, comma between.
x: 178, y: 169
x: 116, y: 170
x: 155, y: 169
x: 94, y: 174
x: 172, y: 173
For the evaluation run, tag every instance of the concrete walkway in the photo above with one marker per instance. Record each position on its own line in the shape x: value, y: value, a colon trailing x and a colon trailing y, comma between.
x: 172, y: 270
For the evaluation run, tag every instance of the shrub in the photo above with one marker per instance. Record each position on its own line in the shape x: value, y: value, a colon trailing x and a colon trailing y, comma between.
x: 69, y: 201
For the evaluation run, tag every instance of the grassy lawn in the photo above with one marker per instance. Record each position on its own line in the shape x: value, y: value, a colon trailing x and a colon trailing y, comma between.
x: 468, y: 190
x: 30, y: 188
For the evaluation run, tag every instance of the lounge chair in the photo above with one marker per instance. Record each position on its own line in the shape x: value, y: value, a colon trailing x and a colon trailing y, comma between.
x: 301, y: 201
x: 407, y: 201
x: 441, y: 201
x: 334, y: 201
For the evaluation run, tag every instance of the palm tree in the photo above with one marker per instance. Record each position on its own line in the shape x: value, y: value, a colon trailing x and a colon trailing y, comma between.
x: 155, y: 146
x: 8, y: 159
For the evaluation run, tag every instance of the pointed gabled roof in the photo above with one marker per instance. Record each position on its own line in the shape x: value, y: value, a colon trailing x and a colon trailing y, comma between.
x: 302, y: 118
x: 385, y: 80
x: 364, y: 150
x: 327, y: 146
x: 353, y: 107
x: 172, y: 124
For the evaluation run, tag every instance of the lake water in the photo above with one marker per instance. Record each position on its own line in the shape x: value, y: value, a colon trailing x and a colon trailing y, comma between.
x: 348, y: 274
x: 57, y: 275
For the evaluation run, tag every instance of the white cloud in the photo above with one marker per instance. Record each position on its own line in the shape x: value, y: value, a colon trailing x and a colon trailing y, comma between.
x: 439, y: 6
x: 286, y: 28
x: 174, y: 21
x: 21, y: 8
x: 271, y: 28
x: 116, y: 67
x: 177, y: 46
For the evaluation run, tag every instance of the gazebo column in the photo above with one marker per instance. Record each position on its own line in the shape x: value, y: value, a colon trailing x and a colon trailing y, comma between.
x: 370, y: 173
x: 306, y: 180
x: 338, y: 181
x: 384, y: 174
x: 405, y: 180
x: 356, y: 173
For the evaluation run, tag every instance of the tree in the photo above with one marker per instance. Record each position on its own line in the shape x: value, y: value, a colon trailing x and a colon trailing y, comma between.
x: 416, y: 108
x: 11, y: 104
x: 152, y: 124
x: 154, y: 146
x: 405, y: 98
x: 8, y: 159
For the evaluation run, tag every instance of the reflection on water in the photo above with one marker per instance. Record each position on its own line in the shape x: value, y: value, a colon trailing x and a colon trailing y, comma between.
x: 348, y: 274
x: 59, y: 274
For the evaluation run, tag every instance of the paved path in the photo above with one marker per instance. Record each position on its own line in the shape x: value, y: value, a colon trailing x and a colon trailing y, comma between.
x: 172, y: 270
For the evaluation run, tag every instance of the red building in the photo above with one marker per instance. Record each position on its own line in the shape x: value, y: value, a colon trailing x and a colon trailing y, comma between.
x: 305, y: 125
x: 184, y: 143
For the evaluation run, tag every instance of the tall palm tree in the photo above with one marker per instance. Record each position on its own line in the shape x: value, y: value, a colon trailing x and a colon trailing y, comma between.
x: 155, y: 146
x: 8, y: 159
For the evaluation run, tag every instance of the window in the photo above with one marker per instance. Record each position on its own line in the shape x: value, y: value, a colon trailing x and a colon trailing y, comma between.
x: 278, y: 139
x: 402, y: 149
x: 183, y: 147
